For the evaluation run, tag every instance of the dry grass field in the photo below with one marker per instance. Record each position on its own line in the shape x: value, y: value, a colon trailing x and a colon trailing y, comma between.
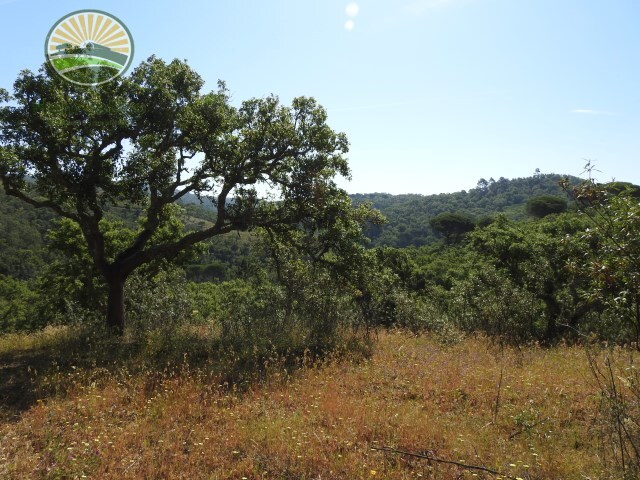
x: 528, y: 413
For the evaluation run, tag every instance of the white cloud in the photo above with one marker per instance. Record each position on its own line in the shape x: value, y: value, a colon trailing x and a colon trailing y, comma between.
x: 589, y: 111
x: 352, y: 9
x: 349, y: 25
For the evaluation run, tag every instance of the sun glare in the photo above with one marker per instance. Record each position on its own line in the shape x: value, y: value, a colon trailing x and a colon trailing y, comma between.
x: 352, y: 9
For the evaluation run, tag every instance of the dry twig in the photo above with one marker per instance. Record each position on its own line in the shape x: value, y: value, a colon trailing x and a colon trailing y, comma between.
x: 440, y: 460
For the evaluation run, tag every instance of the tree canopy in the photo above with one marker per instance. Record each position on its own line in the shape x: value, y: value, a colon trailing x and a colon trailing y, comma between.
x: 408, y: 215
x: 149, y: 139
x: 452, y: 225
x: 544, y: 205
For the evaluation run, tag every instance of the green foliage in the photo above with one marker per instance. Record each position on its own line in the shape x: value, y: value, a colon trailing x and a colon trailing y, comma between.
x: 624, y: 188
x: 612, y: 264
x: 70, y: 281
x: 511, y: 279
x: 563, y: 276
x: 204, y: 299
x: 490, y: 302
x: 17, y: 311
x: 306, y: 311
x: 22, y: 230
x: 62, y: 147
x: 71, y: 284
x: 225, y: 257
x: 440, y: 265
x: 408, y: 215
x: 251, y: 312
x: 157, y: 301
x: 452, y: 225
x: 309, y: 301
x: 534, y: 257
x: 544, y: 205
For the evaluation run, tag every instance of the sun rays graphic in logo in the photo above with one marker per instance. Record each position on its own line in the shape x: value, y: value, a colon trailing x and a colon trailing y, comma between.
x: 89, y: 47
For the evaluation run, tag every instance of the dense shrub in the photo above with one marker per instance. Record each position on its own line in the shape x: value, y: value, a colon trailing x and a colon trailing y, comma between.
x: 546, y: 205
x: 489, y: 302
x: 17, y: 312
x: 452, y: 226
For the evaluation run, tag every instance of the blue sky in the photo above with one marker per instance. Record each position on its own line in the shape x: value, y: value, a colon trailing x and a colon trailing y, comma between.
x: 433, y: 94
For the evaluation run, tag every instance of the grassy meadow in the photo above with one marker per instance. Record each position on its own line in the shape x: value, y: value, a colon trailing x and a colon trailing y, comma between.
x: 529, y: 413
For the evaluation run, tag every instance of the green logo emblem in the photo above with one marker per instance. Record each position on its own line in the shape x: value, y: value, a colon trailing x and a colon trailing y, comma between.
x: 89, y: 47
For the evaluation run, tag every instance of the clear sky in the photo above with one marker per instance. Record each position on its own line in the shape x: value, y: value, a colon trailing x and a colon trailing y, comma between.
x: 433, y: 94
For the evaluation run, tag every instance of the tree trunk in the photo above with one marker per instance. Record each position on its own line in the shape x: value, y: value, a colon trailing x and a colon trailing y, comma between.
x: 115, y: 306
x: 553, y: 311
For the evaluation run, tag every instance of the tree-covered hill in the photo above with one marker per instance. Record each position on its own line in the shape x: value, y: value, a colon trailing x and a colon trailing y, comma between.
x: 22, y: 231
x: 23, y: 239
x: 409, y: 215
x: 23, y: 228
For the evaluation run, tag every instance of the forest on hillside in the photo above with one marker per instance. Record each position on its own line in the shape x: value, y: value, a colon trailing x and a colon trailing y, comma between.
x: 424, y: 276
x: 242, y: 312
x: 408, y: 216
x: 122, y: 263
x: 407, y: 223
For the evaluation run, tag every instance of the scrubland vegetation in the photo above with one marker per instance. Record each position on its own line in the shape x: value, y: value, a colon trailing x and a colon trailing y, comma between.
x: 527, y: 412
x: 296, y: 334
x: 504, y: 352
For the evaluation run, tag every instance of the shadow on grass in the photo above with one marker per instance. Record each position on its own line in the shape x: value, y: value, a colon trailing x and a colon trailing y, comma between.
x: 56, y: 361
x: 30, y: 363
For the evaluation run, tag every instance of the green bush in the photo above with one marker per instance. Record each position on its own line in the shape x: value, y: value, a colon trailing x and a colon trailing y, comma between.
x: 544, y: 205
x: 452, y: 226
x: 17, y: 312
x: 157, y: 302
x: 489, y: 302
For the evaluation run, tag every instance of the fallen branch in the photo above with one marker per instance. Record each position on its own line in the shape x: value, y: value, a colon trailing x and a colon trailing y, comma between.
x: 526, y: 428
x: 440, y: 460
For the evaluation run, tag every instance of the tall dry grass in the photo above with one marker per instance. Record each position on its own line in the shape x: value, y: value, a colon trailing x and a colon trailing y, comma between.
x: 527, y: 413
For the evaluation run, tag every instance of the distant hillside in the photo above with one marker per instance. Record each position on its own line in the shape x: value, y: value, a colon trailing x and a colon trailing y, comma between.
x: 22, y: 228
x: 408, y: 215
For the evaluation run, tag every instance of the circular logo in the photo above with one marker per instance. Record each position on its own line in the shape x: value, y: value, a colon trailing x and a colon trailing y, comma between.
x: 89, y: 47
